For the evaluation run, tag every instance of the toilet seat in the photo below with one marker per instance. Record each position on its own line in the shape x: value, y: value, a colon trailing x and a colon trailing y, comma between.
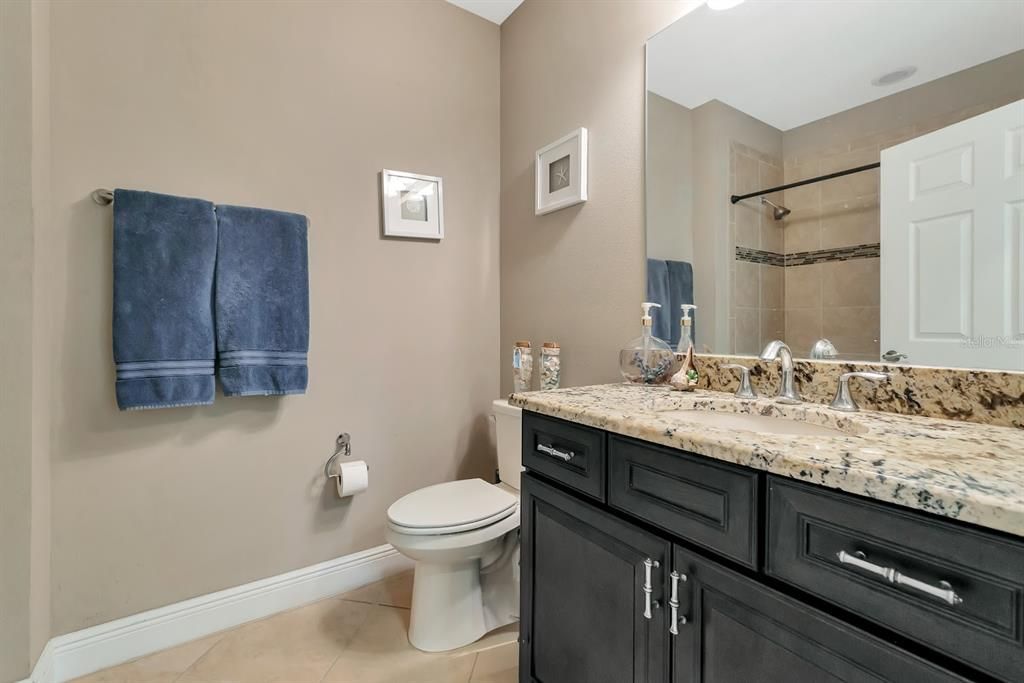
x: 451, y: 508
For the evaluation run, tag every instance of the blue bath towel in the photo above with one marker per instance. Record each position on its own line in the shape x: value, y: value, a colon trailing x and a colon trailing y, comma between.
x: 664, y: 318
x: 262, y: 302
x: 165, y: 249
x: 680, y: 285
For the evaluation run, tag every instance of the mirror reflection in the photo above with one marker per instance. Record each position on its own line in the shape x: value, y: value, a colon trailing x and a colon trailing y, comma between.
x: 845, y: 176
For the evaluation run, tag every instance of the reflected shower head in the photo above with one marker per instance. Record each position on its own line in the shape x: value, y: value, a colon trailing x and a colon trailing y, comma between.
x: 778, y: 212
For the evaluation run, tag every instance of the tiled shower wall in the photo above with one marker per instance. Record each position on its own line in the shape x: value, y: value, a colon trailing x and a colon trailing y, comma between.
x: 757, y: 288
x: 837, y: 299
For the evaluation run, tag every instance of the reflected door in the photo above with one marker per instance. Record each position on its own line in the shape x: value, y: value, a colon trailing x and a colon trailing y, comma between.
x: 952, y: 233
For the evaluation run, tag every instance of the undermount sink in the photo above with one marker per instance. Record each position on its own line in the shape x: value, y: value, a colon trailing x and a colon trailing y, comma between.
x: 763, y: 424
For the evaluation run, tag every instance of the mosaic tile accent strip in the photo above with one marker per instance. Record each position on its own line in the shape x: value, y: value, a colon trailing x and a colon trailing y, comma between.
x: 806, y: 258
x: 768, y: 258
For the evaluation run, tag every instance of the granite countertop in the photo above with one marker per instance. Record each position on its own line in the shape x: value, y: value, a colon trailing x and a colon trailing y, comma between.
x: 966, y: 471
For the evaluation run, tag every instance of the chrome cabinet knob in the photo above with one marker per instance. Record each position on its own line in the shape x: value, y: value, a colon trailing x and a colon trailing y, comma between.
x: 745, y: 390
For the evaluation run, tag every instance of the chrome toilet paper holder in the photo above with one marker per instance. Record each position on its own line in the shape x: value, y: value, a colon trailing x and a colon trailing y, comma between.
x: 342, y: 446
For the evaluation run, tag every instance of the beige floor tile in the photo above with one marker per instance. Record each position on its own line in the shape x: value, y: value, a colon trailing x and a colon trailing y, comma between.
x: 161, y: 667
x: 394, y: 591
x: 496, y: 638
x: 380, y: 653
x: 497, y: 665
x: 297, y: 646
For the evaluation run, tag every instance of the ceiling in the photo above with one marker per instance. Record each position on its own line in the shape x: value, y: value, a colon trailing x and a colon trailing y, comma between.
x: 492, y: 10
x: 789, y: 63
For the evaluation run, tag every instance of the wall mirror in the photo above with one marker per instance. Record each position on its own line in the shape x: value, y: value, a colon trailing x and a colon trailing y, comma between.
x: 849, y: 171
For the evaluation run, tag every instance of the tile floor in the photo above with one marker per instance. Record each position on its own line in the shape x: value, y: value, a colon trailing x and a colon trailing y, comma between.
x: 359, y: 637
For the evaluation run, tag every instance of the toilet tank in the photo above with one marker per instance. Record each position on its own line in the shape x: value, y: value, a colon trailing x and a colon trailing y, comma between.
x: 508, y: 428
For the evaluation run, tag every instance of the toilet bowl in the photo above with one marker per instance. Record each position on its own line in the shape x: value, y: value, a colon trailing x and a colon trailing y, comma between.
x: 464, y: 538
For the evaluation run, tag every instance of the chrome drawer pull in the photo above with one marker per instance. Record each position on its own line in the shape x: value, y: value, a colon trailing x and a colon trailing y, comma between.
x: 648, y: 588
x: 558, y: 453
x: 673, y: 602
x: 944, y: 591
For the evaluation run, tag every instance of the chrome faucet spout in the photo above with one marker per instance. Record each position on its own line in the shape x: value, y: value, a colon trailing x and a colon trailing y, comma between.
x: 777, y: 349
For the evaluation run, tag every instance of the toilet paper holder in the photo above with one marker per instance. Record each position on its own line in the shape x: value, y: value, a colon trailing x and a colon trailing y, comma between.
x: 342, y: 446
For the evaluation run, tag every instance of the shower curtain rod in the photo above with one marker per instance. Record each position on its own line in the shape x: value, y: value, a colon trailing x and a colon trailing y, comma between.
x: 829, y: 176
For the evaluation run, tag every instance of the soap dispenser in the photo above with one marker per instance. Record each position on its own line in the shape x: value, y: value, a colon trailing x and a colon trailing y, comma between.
x: 647, y: 359
x: 686, y: 378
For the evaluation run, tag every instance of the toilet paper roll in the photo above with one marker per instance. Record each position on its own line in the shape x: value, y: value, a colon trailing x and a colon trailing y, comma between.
x: 352, y: 478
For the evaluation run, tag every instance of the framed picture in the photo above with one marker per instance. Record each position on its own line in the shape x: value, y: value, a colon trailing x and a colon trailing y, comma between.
x: 413, y: 205
x: 560, y: 173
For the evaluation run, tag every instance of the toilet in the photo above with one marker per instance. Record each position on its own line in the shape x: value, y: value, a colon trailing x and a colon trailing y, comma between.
x: 464, y: 537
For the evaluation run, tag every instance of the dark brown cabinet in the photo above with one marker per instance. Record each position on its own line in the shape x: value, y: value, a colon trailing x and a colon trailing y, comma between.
x: 740, y: 631
x: 685, y: 575
x: 584, y: 603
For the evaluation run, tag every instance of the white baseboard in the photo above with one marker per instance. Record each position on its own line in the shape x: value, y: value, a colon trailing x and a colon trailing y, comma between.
x: 115, y: 642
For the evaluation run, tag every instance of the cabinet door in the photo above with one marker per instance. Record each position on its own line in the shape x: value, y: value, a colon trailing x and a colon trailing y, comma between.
x: 737, y: 630
x: 584, y: 616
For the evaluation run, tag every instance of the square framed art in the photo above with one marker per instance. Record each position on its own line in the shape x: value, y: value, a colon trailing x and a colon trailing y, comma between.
x: 413, y: 205
x: 560, y: 173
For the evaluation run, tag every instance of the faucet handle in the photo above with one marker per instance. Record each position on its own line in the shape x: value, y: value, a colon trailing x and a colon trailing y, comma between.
x: 844, y: 401
x: 744, y: 390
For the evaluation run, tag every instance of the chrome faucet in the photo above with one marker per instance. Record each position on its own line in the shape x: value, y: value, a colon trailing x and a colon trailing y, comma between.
x: 843, y: 401
x: 787, y: 392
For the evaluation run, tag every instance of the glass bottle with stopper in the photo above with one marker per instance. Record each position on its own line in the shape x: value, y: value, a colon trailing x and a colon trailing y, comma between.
x: 647, y: 359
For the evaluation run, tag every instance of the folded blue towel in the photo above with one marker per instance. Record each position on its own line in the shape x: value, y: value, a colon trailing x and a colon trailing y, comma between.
x: 262, y: 301
x: 663, y: 319
x: 165, y: 250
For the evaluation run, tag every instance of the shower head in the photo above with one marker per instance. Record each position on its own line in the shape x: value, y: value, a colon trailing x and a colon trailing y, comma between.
x: 778, y: 212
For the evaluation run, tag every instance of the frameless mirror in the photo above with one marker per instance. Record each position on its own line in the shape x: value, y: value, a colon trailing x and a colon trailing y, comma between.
x: 842, y: 171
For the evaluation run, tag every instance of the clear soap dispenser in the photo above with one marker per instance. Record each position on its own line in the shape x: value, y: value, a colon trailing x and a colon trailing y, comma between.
x: 647, y: 359
x: 686, y: 378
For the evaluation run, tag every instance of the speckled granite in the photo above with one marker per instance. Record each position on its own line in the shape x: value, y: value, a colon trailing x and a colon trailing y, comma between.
x: 965, y: 471
x: 984, y: 396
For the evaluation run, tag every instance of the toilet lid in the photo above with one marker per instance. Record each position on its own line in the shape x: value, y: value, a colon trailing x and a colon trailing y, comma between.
x: 452, y: 506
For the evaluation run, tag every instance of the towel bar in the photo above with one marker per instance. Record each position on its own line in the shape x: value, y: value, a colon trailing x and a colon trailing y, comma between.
x: 103, y: 197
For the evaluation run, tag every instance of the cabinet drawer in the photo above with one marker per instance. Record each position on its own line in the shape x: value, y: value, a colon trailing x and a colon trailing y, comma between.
x: 566, y: 452
x: 711, y: 504
x: 956, y: 589
x: 738, y: 630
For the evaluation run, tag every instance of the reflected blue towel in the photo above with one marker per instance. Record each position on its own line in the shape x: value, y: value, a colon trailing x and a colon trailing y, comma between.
x: 658, y: 292
x: 680, y: 285
x: 165, y: 249
x: 262, y: 301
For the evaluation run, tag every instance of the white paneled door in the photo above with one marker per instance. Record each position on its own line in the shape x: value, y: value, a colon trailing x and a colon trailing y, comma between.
x: 952, y: 214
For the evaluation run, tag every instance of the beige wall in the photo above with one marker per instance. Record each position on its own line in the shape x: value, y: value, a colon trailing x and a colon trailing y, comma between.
x: 758, y: 298
x: 669, y: 180
x: 575, y: 276
x: 16, y: 341
x: 294, y: 106
x: 40, y: 597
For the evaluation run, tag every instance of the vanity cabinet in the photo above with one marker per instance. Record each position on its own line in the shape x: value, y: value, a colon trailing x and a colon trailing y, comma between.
x: 738, y: 630
x: 588, y: 579
x: 686, y: 570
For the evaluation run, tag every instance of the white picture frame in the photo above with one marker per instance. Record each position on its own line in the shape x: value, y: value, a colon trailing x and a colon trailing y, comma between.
x: 560, y: 173
x: 413, y: 205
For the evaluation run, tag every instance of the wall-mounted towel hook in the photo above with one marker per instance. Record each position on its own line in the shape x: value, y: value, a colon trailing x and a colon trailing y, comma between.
x: 342, y: 446
x: 103, y: 197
